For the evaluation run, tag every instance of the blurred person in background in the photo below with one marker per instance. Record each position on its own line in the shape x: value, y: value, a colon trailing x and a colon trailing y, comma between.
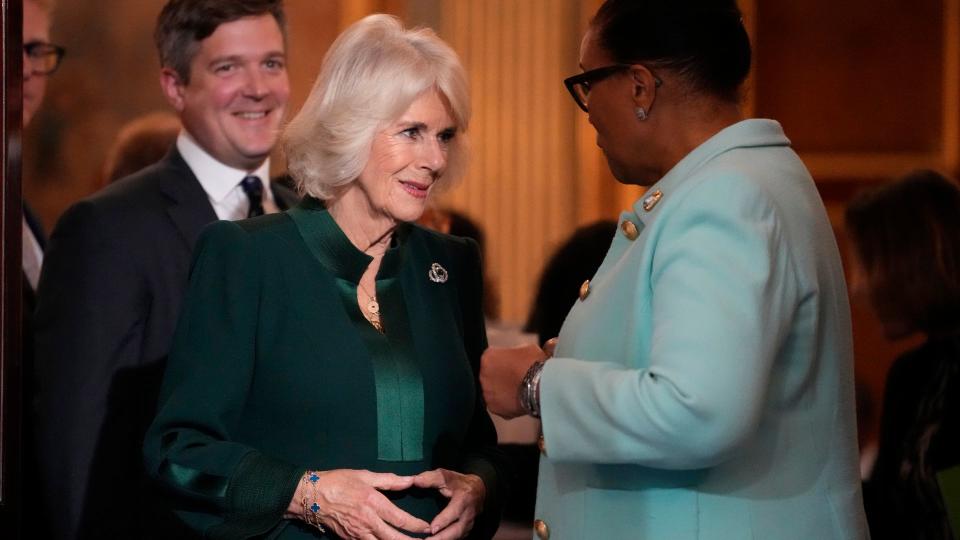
x: 906, y: 246
x: 576, y: 260
x: 453, y: 222
x: 142, y: 141
x: 41, y: 58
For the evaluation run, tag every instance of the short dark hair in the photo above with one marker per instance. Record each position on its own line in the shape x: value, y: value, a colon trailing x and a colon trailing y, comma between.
x: 702, y: 40
x: 907, y: 237
x: 577, y: 259
x: 183, y: 24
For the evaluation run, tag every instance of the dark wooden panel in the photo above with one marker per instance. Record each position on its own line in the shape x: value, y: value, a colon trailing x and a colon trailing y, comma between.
x: 11, y: 407
x: 852, y: 76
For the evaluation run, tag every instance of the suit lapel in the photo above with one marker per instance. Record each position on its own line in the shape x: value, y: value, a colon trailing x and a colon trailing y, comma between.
x: 189, y: 208
x: 285, y: 197
x: 34, y: 223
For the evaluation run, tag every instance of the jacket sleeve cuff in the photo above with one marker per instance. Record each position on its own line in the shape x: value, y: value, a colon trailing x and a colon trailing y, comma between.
x: 258, y: 496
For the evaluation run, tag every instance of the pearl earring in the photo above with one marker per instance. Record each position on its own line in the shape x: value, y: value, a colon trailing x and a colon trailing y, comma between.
x: 641, y: 114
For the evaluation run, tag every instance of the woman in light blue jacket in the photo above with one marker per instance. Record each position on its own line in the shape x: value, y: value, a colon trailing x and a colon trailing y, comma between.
x: 702, y: 387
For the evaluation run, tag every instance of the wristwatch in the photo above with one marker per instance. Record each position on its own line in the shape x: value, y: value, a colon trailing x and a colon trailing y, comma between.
x: 529, y: 391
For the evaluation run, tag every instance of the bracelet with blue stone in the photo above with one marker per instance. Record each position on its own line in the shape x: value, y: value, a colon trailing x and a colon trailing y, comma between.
x: 310, y: 516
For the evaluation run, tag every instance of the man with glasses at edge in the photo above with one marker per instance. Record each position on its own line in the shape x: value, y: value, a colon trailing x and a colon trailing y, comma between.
x: 40, y: 59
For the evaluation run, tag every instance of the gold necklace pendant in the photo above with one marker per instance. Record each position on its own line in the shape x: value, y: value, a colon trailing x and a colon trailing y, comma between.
x: 373, y: 309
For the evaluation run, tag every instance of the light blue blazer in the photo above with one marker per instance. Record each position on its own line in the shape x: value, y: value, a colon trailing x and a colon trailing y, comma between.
x: 703, y: 389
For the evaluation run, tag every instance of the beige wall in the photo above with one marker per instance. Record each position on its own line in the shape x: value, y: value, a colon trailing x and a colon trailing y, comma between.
x: 522, y: 181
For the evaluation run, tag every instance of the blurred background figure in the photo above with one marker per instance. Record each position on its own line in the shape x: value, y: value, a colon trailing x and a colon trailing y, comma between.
x: 906, y: 240
x: 575, y: 260
x: 450, y: 221
x: 41, y: 58
x: 140, y: 142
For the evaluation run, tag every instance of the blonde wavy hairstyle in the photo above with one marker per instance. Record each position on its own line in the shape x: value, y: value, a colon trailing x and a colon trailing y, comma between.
x: 372, y: 73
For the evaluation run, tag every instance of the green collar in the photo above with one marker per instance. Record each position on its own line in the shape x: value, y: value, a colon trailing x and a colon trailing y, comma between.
x: 331, y: 247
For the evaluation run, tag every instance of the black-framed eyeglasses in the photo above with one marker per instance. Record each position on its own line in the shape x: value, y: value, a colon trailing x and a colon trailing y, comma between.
x: 579, y: 85
x: 43, y: 58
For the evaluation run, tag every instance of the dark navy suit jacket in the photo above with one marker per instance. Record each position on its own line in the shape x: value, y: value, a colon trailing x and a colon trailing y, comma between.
x: 109, y: 297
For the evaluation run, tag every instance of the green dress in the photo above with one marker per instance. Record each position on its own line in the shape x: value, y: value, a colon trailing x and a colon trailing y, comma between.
x: 274, y: 371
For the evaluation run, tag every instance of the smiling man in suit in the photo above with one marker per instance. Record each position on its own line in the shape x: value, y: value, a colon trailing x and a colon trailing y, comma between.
x: 118, y: 262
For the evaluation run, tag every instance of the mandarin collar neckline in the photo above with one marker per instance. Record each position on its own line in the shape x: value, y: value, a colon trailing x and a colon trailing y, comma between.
x: 331, y: 247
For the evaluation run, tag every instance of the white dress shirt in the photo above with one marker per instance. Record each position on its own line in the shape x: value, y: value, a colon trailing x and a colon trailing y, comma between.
x: 221, y: 182
x: 32, y: 255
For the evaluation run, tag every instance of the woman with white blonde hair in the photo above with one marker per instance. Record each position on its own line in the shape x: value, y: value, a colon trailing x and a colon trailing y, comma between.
x: 323, y: 381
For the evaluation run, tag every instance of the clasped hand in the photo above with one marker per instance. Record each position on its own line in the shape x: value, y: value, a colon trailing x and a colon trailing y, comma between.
x: 352, y: 504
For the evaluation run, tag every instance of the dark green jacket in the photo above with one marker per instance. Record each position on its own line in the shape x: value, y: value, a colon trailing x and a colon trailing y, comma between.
x: 274, y: 371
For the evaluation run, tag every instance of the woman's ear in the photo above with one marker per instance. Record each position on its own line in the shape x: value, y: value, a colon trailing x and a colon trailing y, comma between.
x: 645, y: 85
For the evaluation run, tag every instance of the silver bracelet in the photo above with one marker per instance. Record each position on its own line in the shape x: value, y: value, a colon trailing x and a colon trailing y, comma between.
x: 529, y: 390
